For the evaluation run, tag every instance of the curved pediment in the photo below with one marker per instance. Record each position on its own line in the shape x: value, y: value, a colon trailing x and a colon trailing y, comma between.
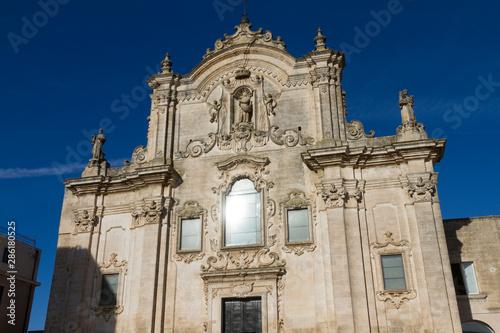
x: 253, y: 52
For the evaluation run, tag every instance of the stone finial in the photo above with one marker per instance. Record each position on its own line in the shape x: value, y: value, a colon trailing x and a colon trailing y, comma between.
x: 320, y: 41
x: 166, y: 64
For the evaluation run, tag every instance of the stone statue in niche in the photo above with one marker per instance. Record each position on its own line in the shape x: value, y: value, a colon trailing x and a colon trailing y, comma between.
x: 405, y: 104
x: 246, y: 108
x: 98, y: 142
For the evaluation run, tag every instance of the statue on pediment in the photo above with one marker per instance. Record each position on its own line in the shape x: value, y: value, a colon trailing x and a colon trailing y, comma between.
x: 98, y: 142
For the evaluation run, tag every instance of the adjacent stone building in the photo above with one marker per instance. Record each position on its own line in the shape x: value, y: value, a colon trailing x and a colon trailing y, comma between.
x: 18, y: 274
x: 257, y: 207
x: 474, y: 248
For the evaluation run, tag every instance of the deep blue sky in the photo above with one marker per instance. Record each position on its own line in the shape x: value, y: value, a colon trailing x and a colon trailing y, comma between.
x: 65, y: 77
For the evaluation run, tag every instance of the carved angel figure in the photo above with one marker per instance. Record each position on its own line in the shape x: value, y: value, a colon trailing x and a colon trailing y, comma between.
x: 98, y: 142
x: 246, y: 107
x: 270, y: 102
x: 214, y: 110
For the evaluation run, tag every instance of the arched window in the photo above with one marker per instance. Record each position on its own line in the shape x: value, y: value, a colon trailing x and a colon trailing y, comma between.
x: 476, y: 327
x: 242, y: 224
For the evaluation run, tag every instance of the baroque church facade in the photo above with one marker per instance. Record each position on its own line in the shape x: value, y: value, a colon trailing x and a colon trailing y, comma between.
x: 257, y: 207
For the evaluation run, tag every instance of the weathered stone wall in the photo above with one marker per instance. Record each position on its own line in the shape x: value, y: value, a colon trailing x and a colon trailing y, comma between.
x: 477, y: 240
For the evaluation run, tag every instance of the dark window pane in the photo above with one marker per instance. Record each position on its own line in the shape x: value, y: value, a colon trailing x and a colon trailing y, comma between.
x: 393, y: 271
x: 109, y: 290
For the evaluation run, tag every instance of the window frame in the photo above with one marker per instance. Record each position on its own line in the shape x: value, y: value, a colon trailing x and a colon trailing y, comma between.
x: 402, y: 267
x: 262, y: 217
x: 191, y: 210
x: 309, y: 225
x: 117, y: 290
x: 464, y: 280
x: 179, y: 235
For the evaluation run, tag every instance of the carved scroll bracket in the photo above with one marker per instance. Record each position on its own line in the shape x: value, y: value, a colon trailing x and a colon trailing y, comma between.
x: 149, y: 213
x: 85, y: 220
x: 420, y: 187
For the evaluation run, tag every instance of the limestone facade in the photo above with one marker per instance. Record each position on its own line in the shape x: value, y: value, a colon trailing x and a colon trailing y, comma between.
x: 251, y: 111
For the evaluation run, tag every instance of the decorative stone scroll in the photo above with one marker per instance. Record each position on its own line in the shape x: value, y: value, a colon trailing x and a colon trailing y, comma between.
x: 85, y: 221
x: 356, y: 131
x: 244, y: 35
x: 241, y: 260
x: 242, y: 138
x: 107, y: 311
x: 113, y: 265
x: 391, y: 247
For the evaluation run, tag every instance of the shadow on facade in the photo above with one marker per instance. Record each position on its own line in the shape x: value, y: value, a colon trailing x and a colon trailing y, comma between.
x: 75, y: 305
x: 455, y: 252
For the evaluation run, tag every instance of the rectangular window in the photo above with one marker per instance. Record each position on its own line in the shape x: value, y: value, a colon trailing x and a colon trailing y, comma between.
x: 393, y: 271
x: 298, y: 225
x: 464, y: 278
x: 109, y: 290
x: 190, y: 234
x: 5, y: 256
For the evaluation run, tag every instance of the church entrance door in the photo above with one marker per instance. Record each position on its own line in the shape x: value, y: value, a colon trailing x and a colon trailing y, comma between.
x: 243, y: 315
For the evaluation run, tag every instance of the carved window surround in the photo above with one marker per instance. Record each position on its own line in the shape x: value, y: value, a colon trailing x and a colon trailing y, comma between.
x: 190, y: 210
x: 266, y: 283
x: 112, y: 266
x: 236, y: 168
x: 392, y: 247
x: 298, y: 200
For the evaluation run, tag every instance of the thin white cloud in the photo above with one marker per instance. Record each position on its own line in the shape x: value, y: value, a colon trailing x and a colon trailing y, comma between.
x: 11, y: 173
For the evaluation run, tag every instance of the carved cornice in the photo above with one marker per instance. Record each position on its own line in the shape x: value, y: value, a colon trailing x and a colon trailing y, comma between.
x: 124, y: 182
x: 393, y: 153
